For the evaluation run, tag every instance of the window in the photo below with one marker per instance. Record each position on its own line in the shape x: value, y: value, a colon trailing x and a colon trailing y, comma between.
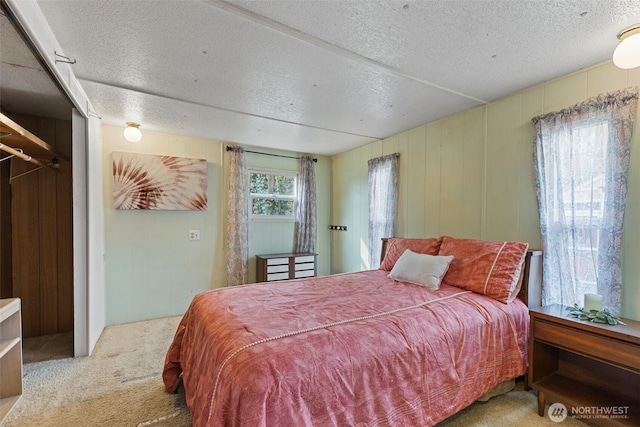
x: 383, y: 203
x: 581, y: 168
x: 272, y: 194
x: 578, y: 213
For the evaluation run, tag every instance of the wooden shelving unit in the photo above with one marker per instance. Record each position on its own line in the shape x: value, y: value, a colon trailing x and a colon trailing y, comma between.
x: 10, y: 355
x: 585, y: 366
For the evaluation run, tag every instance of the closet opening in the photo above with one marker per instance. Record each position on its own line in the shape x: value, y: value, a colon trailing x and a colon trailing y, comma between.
x: 36, y: 222
x: 36, y: 227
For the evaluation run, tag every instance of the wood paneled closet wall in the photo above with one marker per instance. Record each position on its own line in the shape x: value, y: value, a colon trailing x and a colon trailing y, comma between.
x: 36, y: 253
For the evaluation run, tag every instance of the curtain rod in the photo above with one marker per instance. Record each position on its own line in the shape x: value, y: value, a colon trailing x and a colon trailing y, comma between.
x: 229, y: 148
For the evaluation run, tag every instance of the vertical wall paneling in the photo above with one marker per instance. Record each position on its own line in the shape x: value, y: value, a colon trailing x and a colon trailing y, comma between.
x: 633, y: 77
x: 377, y: 148
x: 415, y: 177
x: 360, y: 215
x: 323, y: 200
x: 6, y: 281
x: 338, y: 171
x: 349, y: 250
x: 48, y: 252
x: 503, y: 166
x: 564, y: 92
x: 433, y: 180
x: 40, y: 229
x: 403, y: 150
x: 63, y: 138
x: 476, y: 179
x: 631, y: 233
x: 64, y: 240
x: 453, y: 177
x: 604, y: 79
x: 26, y: 236
x: 473, y: 170
x: 528, y: 217
x: 348, y: 212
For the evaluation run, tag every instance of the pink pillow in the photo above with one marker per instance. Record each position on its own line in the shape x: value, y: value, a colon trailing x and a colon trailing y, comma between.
x: 488, y: 268
x: 396, y: 247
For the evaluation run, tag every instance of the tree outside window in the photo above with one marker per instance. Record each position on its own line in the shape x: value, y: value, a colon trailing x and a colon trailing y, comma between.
x: 272, y: 194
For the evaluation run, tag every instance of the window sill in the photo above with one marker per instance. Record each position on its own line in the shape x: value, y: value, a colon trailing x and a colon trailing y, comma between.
x: 272, y: 219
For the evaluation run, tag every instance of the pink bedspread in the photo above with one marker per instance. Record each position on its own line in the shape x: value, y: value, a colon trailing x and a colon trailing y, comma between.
x: 355, y: 349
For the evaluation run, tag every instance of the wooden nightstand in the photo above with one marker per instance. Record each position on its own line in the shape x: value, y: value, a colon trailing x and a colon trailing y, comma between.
x: 591, y: 368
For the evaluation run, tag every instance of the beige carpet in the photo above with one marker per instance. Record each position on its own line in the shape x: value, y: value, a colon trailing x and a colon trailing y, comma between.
x: 120, y: 385
x: 47, y: 347
x: 515, y: 408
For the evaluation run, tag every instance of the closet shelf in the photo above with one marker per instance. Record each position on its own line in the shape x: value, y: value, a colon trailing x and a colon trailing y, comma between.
x: 18, y: 137
x: 7, y: 345
x: 10, y: 354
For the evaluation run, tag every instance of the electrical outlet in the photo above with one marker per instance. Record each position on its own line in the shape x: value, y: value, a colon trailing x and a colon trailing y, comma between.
x: 194, y: 234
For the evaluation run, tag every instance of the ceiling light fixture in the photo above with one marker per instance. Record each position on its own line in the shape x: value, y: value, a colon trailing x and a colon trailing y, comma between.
x: 132, y: 132
x: 627, y: 54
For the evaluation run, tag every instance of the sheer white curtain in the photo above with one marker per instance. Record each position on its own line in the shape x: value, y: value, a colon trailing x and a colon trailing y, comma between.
x: 383, y: 203
x: 305, y: 227
x: 237, y: 219
x: 581, y: 163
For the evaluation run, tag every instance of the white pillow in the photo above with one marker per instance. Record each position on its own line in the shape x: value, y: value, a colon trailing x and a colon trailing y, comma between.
x: 420, y: 269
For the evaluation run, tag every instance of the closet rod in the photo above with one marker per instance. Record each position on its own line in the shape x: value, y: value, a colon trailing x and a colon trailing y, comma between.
x: 21, y: 154
x: 229, y: 148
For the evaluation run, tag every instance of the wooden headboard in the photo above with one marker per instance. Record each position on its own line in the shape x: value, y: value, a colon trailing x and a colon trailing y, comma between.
x: 531, y: 290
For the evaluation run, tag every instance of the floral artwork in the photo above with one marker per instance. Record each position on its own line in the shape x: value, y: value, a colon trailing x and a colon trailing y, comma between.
x: 146, y: 181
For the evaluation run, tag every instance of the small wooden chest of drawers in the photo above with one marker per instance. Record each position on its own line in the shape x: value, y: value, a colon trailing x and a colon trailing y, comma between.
x: 285, y: 266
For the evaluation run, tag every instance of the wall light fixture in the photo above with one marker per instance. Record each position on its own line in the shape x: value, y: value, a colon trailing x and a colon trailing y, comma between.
x: 132, y: 132
x: 627, y: 53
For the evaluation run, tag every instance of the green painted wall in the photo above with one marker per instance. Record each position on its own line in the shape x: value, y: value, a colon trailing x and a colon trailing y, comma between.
x: 152, y: 270
x: 471, y: 175
x: 269, y: 237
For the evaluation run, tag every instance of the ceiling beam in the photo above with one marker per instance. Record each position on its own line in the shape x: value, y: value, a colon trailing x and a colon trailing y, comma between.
x: 228, y: 110
x: 315, y: 41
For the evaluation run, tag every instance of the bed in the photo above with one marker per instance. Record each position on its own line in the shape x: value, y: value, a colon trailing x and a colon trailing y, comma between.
x: 358, y: 349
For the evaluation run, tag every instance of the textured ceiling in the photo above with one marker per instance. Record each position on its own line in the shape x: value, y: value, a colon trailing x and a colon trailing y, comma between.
x: 24, y: 85
x: 319, y: 76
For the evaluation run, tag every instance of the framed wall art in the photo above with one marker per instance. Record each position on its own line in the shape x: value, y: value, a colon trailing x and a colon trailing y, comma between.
x: 147, y: 181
